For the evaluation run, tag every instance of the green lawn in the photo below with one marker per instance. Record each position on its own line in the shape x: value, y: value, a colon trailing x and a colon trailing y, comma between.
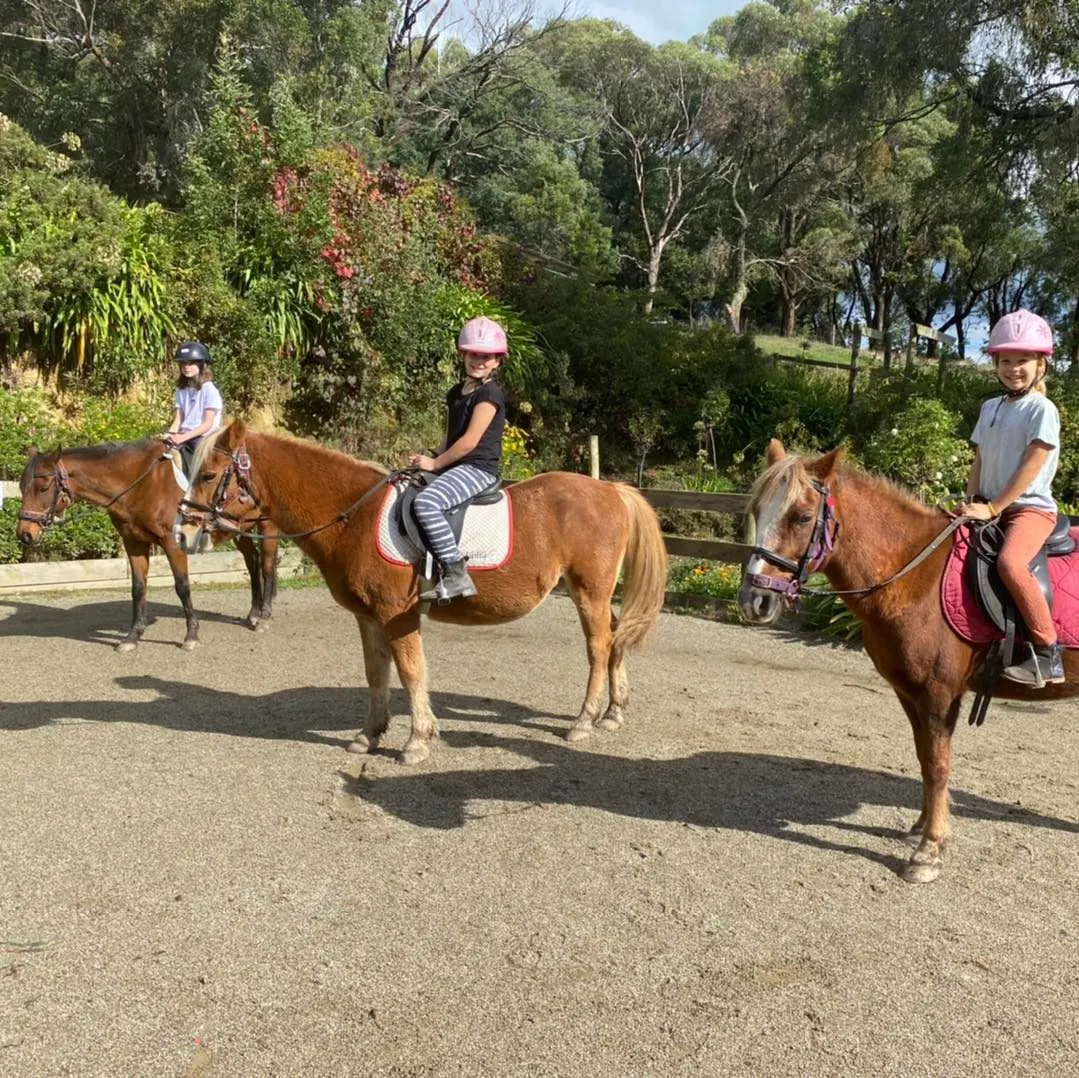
x: 792, y: 346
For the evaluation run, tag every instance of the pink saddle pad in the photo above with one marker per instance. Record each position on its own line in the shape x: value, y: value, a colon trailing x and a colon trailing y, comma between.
x: 965, y: 615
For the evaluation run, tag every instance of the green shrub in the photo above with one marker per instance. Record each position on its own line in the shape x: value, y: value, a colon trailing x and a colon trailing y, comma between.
x: 711, y: 579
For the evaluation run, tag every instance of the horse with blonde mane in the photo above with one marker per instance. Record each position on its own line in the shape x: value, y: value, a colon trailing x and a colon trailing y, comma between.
x: 566, y: 527
x: 887, y: 552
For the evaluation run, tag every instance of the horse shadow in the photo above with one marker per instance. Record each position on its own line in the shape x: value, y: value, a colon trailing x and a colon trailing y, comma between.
x: 777, y: 797
x: 310, y: 714
x: 105, y: 621
x: 789, y: 799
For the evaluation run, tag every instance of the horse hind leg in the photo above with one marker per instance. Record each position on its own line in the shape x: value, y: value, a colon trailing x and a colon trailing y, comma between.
x: 406, y: 645
x: 618, y: 682
x: 376, y: 662
x: 138, y: 556
x: 597, y: 623
x: 246, y: 547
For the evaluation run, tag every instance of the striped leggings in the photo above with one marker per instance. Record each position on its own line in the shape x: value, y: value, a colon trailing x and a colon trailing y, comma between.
x: 451, y: 488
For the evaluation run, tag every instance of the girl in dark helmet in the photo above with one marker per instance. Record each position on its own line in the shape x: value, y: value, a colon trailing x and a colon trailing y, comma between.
x: 198, y: 402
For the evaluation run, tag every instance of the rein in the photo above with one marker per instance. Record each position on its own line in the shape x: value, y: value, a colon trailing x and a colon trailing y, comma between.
x: 214, y: 517
x: 820, y: 547
x: 59, y: 476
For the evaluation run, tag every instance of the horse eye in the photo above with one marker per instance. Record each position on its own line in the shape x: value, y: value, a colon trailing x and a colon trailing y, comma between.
x: 206, y: 477
x: 803, y: 518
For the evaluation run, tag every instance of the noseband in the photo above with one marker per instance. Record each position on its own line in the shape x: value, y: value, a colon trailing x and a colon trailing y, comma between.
x: 55, y: 511
x: 819, y: 549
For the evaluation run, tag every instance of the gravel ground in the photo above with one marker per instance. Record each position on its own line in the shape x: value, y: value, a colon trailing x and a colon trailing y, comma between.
x: 198, y: 881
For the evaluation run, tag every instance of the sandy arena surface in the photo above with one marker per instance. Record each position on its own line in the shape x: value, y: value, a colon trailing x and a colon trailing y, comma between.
x: 197, y: 881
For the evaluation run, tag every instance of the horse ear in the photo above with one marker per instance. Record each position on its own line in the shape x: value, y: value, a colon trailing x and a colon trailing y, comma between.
x: 31, y: 450
x: 775, y: 452
x: 237, y: 432
x: 824, y: 466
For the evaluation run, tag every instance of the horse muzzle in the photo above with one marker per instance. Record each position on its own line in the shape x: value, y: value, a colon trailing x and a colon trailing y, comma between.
x: 759, y: 607
x: 191, y: 536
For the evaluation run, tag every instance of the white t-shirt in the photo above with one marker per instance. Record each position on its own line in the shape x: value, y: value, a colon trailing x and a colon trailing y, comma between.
x: 1004, y: 429
x: 194, y: 403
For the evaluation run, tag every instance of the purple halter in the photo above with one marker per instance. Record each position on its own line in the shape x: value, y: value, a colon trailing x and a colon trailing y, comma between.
x: 821, y: 544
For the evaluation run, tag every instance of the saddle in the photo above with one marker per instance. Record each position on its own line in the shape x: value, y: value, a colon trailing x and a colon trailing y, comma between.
x: 403, y: 508
x: 996, y: 602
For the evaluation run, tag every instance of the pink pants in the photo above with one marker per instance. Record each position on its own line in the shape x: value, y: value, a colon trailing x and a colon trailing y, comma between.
x: 1025, y: 530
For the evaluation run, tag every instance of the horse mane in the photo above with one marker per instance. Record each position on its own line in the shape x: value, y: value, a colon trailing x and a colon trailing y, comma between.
x: 209, y: 444
x: 797, y: 470
x: 102, y: 450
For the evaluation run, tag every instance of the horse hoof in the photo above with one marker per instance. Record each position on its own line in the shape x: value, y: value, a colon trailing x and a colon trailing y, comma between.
x: 579, y: 732
x: 127, y: 645
x: 414, y: 754
x: 919, y: 872
x: 362, y: 744
x: 189, y: 645
x: 252, y: 622
x: 913, y: 838
x: 609, y: 722
x: 261, y: 625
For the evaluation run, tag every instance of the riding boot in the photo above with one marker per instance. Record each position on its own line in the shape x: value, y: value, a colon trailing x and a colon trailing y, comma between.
x: 455, y: 583
x: 1042, y: 666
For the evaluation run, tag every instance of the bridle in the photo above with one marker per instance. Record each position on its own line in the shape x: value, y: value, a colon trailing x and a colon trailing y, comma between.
x: 819, y: 548
x: 56, y: 511
x: 216, y: 517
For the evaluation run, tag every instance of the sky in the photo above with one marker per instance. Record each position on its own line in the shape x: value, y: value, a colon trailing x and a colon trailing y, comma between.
x: 656, y: 21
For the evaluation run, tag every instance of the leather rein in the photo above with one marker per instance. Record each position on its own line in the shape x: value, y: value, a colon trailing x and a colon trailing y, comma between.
x: 216, y: 516
x: 62, y: 489
x: 819, y: 550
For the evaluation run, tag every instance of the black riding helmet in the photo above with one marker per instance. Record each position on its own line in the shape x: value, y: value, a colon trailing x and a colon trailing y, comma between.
x: 193, y: 352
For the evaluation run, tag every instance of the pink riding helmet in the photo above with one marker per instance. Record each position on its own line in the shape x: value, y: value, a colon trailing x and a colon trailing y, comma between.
x: 483, y: 335
x: 1021, y: 331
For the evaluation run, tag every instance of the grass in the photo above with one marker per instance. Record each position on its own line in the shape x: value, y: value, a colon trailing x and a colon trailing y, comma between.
x: 792, y: 346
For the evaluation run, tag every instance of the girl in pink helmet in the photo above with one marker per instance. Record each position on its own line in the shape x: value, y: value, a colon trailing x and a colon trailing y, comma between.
x: 1017, y: 439
x: 470, y: 458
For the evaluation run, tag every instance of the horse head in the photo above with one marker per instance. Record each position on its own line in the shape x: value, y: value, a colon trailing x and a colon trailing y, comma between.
x: 220, y: 498
x: 45, y: 492
x: 793, y: 509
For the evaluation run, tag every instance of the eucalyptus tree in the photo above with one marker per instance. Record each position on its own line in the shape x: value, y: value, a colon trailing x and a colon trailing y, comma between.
x: 786, y: 149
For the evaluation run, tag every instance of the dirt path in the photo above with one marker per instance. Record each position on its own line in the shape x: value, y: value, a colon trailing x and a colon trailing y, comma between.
x: 196, y: 879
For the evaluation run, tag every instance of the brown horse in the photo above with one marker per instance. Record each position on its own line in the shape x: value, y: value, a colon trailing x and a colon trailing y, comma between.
x: 566, y: 526
x: 862, y: 531
x: 134, y: 483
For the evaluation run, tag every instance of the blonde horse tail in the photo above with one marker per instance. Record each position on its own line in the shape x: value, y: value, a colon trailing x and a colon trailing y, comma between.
x: 645, y: 565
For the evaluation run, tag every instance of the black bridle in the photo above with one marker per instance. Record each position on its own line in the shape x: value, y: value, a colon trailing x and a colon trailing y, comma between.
x: 817, y: 551
x: 60, y: 489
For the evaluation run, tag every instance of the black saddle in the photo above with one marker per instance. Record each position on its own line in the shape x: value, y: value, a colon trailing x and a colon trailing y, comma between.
x: 995, y: 600
x: 405, y: 518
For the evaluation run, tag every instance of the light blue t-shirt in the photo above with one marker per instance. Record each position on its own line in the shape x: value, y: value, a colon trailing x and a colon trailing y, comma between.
x: 1004, y: 430
x: 193, y: 404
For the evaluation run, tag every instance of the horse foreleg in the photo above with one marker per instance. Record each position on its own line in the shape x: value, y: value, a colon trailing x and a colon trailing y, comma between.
x: 376, y: 662
x: 138, y: 557
x: 246, y: 547
x: 596, y: 621
x: 933, y: 722
x: 269, y: 555
x: 178, y: 564
x: 407, y: 647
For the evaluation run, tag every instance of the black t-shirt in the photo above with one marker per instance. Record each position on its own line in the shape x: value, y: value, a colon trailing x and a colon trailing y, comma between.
x: 488, y: 454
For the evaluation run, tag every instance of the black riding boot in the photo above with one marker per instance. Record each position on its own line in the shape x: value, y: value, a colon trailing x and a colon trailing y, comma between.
x: 455, y: 583
x: 1043, y: 665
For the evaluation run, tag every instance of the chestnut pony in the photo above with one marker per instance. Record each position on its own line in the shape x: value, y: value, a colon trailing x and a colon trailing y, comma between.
x: 860, y: 531
x: 135, y: 485
x: 565, y: 526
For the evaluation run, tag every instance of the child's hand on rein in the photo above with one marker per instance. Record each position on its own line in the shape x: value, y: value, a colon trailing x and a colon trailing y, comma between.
x: 977, y: 511
x: 424, y: 463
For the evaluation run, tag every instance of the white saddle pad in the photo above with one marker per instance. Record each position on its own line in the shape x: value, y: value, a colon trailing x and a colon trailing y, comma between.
x: 486, y: 538
x: 178, y: 469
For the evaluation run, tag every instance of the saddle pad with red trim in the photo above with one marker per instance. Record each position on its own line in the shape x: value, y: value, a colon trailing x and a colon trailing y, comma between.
x: 486, y: 537
x: 964, y: 612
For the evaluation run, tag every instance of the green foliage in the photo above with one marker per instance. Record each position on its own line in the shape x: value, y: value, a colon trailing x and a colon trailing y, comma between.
x: 25, y: 419
x: 829, y: 616
x: 922, y: 450
x: 704, y: 578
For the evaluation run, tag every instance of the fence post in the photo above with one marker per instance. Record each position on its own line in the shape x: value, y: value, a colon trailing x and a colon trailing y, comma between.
x: 855, y: 348
x: 593, y: 455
